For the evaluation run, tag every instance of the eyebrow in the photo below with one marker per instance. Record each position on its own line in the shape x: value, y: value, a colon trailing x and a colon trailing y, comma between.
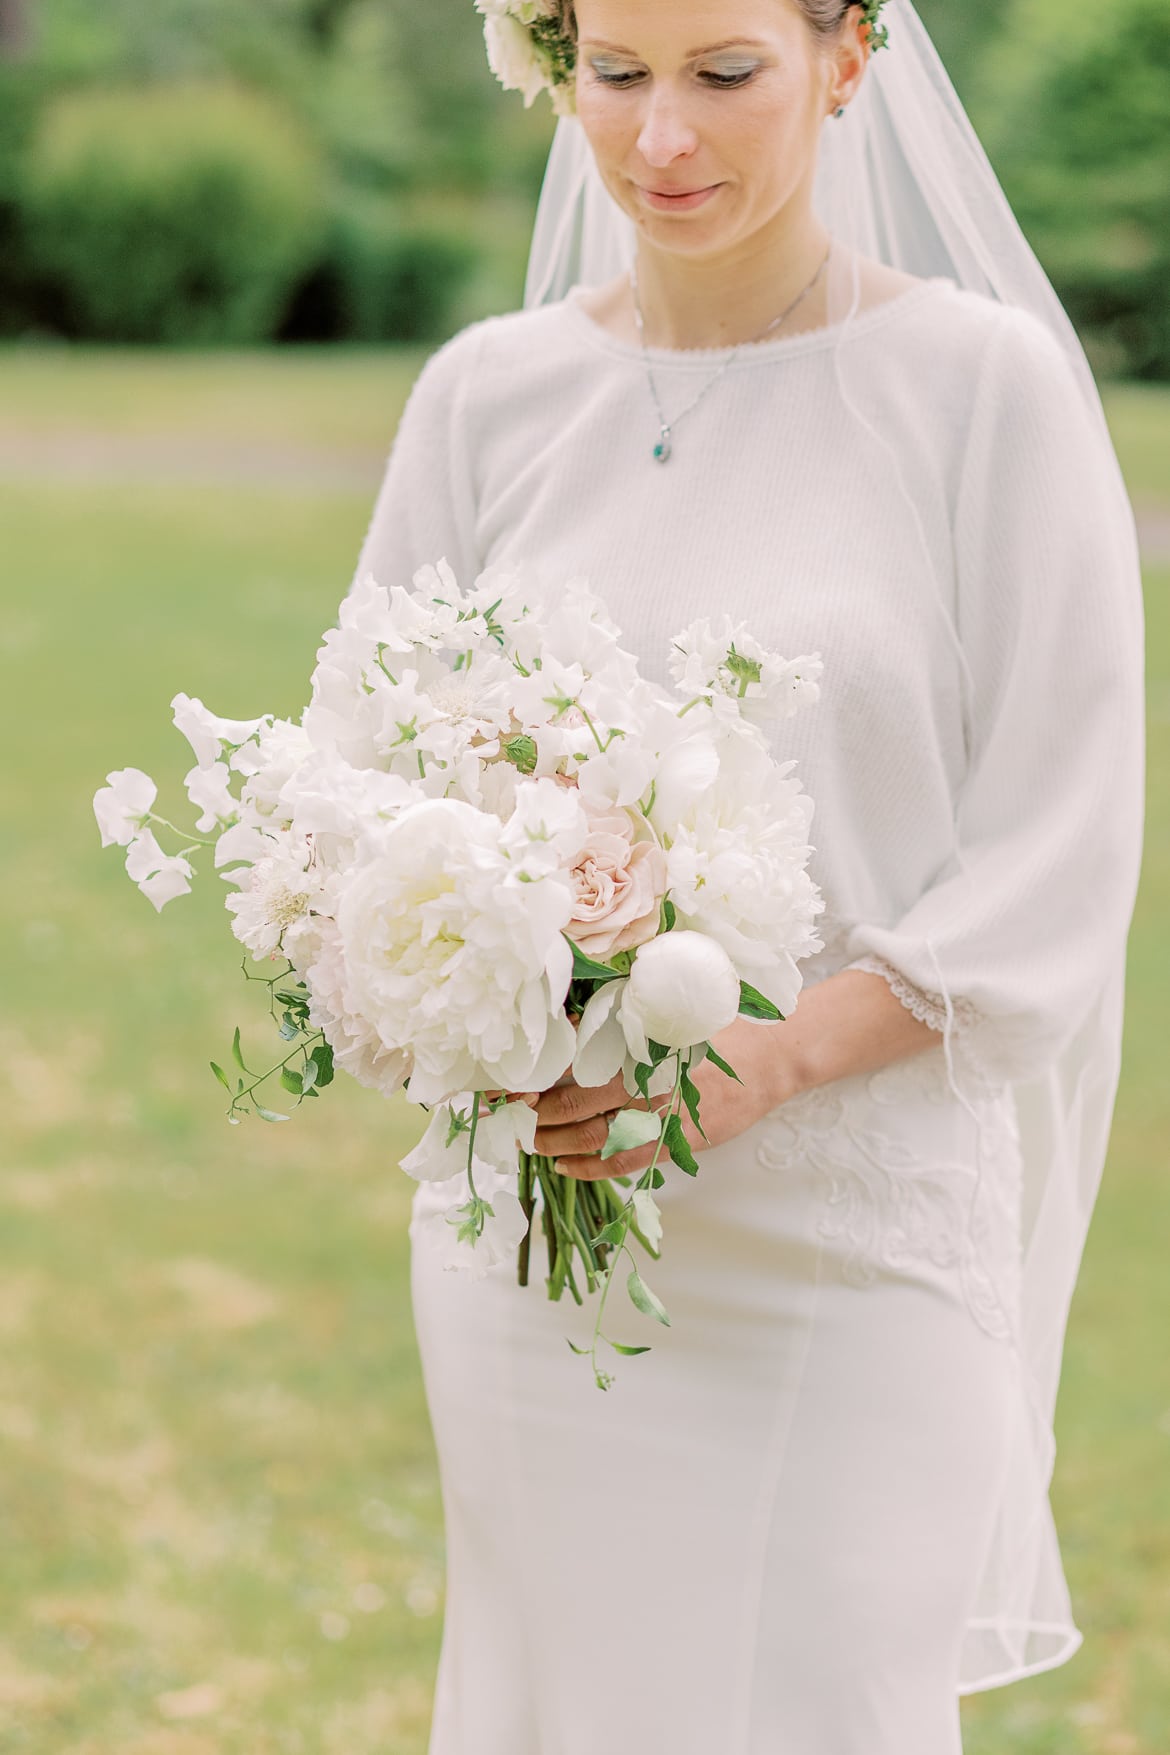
x: 692, y: 54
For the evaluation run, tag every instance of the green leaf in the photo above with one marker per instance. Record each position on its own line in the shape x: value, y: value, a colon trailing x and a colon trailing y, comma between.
x: 642, y: 1074
x: 719, y: 1061
x: 220, y: 1075
x: 658, y: 1053
x: 629, y: 1129
x: 288, y: 1030
x: 585, y: 969
x: 656, y: 1177
x: 645, y: 1299
x: 613, y: 1233
x: 290, y: 1080
x: 669, y: 913
x: 752, y: 1004
x: 323, y: 1055
x: 679, y: 1147
x: 630, y: 1352
x: 581, y: 1352
x: 309, y: 1074
x: 690, y: 1094
x: 236, y: 1054
x: 648, y: 1216
x: 269, y: 1114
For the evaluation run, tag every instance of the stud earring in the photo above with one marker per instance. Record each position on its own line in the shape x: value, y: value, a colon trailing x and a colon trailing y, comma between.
x: 838, y: 112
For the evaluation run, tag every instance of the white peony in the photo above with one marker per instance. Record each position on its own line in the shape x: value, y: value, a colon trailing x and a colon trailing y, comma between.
x: 160, y: 876
x: 736, y: 865
x: 682, y: 989
x: 122, y: 806
x: 452, y: 938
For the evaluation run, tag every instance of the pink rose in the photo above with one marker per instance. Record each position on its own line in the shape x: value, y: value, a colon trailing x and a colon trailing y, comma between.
x: 619, y: 886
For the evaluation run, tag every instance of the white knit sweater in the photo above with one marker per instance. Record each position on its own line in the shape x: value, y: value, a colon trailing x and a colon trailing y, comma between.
x: 528, y: 439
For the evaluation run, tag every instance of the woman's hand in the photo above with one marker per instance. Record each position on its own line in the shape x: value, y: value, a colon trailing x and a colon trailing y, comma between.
x: 573, y: 1120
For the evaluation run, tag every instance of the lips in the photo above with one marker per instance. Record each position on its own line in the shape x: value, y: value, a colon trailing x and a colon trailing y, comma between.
x: 676, y: 200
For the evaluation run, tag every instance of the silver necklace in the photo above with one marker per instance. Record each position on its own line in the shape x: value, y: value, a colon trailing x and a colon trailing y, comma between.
x: 664, y: 447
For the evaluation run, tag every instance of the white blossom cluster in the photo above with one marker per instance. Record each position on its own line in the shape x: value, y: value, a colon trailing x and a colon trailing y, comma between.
x: 477, y: 791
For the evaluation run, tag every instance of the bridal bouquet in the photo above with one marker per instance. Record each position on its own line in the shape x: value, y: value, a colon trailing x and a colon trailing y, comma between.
x: 490, y: 853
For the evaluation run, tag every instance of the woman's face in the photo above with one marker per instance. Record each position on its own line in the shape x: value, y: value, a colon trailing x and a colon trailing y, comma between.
x: 704, y: 116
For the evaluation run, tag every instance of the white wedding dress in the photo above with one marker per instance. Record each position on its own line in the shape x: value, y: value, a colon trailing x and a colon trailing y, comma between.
x: 816, y: 1512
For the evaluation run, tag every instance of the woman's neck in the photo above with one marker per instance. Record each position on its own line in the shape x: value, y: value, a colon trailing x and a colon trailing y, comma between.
x: 723, y: 301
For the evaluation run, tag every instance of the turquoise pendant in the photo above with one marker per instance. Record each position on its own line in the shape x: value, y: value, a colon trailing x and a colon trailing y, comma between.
x: 662, y: 449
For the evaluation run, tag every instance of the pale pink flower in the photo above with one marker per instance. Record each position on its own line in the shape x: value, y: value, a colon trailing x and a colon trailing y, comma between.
x: 618, y: 885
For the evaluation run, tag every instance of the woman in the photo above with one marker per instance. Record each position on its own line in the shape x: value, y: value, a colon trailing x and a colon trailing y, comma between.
x: 813, y: 377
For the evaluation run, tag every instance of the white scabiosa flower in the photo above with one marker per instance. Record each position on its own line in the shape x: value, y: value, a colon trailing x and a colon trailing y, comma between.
x: 682, y: 990
x: 276, y: 895
x: 122, y: 805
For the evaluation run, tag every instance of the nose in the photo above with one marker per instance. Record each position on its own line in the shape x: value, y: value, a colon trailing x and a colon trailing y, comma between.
x: 665, y: 134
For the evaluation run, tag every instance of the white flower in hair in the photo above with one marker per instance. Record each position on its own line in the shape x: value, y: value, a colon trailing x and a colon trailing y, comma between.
x: 527, y: 50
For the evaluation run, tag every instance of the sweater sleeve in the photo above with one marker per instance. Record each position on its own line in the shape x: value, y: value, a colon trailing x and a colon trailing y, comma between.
x: 1010, y: 949
x: 425, y: 508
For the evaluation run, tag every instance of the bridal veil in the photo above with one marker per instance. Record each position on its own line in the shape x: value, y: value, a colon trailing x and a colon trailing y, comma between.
x: 902, y: 178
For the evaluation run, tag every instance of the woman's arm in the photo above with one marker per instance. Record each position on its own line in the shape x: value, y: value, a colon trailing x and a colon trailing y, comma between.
x: 851, y: 1022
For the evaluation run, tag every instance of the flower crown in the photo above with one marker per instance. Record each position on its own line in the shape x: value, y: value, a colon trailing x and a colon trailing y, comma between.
x: 529, y: 50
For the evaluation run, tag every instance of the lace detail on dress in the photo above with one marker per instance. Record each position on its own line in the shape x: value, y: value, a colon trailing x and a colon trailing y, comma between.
x: 913, y: 1201
x: 931, y: 1008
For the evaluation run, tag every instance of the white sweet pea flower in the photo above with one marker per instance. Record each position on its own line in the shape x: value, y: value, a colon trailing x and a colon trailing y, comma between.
x: 122, y: 806
x: 209, y: 790
x: 724, y: 663
x: 500, y: 1135
x: 503, y: 1228
x: 682, y: 989
x: 546, y: 830
x: 207, y: 734
x: 160, y: 876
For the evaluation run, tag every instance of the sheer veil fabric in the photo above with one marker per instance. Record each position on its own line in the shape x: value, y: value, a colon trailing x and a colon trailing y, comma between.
x: 902, y: 178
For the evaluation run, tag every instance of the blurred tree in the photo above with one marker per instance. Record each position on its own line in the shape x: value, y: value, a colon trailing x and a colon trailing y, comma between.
x: 962, y: 34
x: 1084, y: 155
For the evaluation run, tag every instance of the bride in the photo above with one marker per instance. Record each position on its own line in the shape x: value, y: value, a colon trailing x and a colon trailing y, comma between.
x: 786, y: 355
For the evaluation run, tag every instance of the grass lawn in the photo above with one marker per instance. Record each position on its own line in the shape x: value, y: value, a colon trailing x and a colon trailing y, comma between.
x: 219, y: 1507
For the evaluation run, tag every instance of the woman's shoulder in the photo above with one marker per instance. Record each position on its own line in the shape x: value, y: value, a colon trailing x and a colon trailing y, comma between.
x: 504, y: 339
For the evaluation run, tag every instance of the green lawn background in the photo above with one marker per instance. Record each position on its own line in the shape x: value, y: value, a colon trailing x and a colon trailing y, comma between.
x: 219, y: 1509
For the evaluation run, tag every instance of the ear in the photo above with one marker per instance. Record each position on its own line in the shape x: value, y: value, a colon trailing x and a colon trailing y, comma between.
x: 848, y: 56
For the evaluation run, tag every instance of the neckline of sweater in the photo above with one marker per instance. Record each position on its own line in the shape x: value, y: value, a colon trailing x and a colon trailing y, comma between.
x: 804, y: 341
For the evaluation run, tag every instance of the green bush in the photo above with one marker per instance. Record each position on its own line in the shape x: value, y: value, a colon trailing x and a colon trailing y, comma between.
x: 172, y: 212
x: 381, y: 276
x: 1086, y: 161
